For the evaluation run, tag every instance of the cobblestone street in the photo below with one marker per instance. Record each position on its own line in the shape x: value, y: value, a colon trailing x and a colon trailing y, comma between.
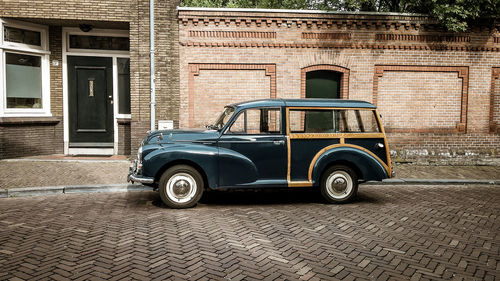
x: 390, y: 232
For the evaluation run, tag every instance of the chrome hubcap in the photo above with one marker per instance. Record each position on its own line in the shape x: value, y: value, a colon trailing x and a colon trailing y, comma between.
x: 339, y: 184
x: 181, y: 187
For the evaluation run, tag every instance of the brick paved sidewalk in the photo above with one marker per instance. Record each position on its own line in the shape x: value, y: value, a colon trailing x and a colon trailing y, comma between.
x: 56, y: 170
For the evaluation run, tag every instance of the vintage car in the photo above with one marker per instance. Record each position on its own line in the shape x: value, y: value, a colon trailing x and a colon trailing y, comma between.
x: 327, y: 143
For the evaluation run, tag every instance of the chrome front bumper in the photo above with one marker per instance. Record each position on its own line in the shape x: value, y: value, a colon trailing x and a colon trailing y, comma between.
x: 133, y: 175
x: 138, y: 178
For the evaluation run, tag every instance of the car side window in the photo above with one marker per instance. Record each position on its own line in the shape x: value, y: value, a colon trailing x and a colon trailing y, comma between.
x: 257, y: 121
x: 333, y: 121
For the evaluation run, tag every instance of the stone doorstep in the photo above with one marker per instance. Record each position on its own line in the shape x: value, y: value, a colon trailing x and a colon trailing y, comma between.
x: 49, y: 190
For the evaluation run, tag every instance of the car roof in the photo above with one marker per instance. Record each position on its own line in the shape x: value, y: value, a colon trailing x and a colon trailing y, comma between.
x: 309, y: 102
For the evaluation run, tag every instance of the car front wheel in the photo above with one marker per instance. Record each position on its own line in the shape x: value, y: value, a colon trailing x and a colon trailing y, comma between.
x: 339, y: 184
x: 181, y: 186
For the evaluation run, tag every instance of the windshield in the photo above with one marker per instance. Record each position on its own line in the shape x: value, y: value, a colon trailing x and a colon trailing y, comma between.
x: 222, y: 119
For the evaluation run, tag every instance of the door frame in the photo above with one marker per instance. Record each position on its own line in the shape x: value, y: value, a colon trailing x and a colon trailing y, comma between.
x: 114, y: 55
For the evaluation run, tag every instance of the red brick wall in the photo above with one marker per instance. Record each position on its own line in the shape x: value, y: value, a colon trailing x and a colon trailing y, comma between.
x: 432, y: 87
x: 433, y: 108
x: 238, y: 81
x: 28, y: 137
x: 124, y: 134
x: 436, y: 95
x: 108, y: 10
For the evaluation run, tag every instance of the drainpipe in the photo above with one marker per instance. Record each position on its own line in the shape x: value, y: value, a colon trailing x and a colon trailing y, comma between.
x: 152, y: 62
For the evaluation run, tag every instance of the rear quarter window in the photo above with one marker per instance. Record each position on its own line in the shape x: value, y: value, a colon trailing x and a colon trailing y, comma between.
x: 333, y: 121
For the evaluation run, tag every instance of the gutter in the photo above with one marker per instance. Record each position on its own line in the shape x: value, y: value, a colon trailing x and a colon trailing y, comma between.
x: 152, y: 63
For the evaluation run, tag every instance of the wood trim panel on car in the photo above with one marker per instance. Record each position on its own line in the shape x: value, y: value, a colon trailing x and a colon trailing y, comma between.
x: 340, y: 136
x: 315, y: 158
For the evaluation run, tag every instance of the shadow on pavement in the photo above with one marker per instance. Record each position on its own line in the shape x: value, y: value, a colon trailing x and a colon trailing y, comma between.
x: 265, y: 197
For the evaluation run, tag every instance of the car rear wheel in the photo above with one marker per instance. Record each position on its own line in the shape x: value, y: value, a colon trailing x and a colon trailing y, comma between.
x: 181, y: 186
x: 339, y: 184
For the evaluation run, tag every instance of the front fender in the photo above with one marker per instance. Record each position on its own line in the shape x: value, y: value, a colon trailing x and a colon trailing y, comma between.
x: 369, y: 167
x: 204, y: 156
x: 235, y: 168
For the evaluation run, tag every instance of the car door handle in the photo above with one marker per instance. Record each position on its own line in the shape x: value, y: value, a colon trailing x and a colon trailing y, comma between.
x: 279, y: 142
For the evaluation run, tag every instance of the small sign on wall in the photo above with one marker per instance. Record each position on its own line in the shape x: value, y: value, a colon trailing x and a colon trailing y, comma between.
x: 165, y: 124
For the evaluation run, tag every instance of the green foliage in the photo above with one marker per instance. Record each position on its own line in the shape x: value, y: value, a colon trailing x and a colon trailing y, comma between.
x: 457, y: 15
x: 454, y: 15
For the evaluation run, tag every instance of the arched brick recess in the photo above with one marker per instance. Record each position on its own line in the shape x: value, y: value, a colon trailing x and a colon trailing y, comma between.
x: 344, y: 82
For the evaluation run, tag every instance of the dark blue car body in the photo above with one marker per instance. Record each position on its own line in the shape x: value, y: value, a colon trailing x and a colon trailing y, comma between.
x: 283, y: 159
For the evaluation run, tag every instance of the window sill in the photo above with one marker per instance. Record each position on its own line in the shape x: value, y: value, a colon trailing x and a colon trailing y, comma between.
x: 123, y: 121
x: 29, y: 120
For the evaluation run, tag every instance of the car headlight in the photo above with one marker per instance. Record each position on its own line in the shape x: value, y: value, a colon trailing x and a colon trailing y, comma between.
x: 139, y: 158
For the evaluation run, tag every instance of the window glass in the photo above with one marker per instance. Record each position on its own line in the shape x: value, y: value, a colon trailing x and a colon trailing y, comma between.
x: 222, y: 119
x: 99, y: 42
x: 19, y: 35
x: 333, y: 121
x: 123, y: 85
x: 23, y: 78
x: 368, y: 120
x: 257, y: 121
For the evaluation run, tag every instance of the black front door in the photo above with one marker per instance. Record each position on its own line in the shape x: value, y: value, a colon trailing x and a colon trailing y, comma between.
x: 90, y: 97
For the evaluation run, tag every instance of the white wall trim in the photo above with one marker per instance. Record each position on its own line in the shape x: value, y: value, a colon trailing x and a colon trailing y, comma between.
x: 115, y: 105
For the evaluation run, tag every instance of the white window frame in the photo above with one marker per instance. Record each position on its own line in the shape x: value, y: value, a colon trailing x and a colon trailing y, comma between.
x: 41, y: 51
x: 95, y: 32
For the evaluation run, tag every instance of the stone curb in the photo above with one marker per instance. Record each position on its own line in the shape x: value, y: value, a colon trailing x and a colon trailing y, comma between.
x: 72, y: 189
x: 49, y: 190
x: 407, y: 181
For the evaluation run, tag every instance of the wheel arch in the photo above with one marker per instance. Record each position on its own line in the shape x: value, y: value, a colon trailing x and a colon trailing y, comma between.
x: 186, y: 162
x: 340, y: 162
x: 366, y: 166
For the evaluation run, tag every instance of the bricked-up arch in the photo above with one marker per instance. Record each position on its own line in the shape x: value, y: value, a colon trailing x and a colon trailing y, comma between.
x: 495, y: 100
x: 462, y: 73
x: 344, y: 81
x: 195, y: 68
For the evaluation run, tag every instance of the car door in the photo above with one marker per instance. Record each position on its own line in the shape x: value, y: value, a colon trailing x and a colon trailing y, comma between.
x: 252, y: 151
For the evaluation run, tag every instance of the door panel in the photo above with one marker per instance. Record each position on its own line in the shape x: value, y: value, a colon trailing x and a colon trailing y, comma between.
x: 302, y: 152
x: 255, y: 138
x: 90, y: 101
x: 267, y: 153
